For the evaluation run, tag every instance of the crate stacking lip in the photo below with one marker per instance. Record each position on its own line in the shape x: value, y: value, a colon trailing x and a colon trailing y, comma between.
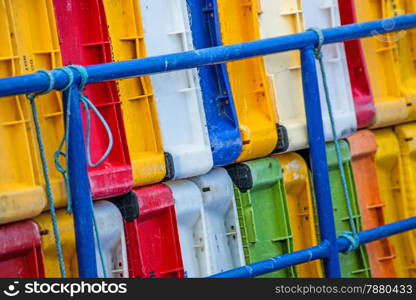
x: 391, y: 178
x: 136, y: 94
x: 283, y: 17
x: 84, y: 39
x: 20, y: 254
x: 300, y: 205
x: 178, y: 94
x: 390, y: 64
x: 354, y: 264
x: 28, y: 44
x: 208, y: 224
x: 153, y: 248
x: 221, y: 116
x: 363, y: 149
x: 263, y: 212
x: 360, y: 84
x: 110, y: 228
x: 253, y: 99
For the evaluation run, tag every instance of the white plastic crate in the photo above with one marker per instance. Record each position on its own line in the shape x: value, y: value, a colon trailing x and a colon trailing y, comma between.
x: 113, y: 241
x: 281, y: 17
x: 325, y: 14
x: 220, y: 211
x: 178, y: 96
x: 191, y: 227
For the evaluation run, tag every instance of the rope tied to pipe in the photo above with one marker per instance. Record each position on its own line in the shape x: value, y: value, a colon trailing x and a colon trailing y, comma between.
x: 51, y: 202
x: 87, y: 104
x: 353, y: 239
x: 60, y: 152
x: 351, y: 236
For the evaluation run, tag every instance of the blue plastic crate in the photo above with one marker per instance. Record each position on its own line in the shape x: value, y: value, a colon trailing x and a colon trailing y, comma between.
x: 222, y: 122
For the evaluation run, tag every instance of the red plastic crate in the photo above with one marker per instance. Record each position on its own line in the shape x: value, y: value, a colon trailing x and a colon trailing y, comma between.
x: 361, y: 91
x: 20, y: 253
x: 84, y: 40
x: 153, y: 248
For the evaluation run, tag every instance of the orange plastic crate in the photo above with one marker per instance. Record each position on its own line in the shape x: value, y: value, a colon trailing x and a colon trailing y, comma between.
x: 363, y: 148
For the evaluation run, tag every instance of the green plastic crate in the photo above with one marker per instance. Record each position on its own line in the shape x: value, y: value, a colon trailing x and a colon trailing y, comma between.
x: 262, y: 211
x: 354, y: 264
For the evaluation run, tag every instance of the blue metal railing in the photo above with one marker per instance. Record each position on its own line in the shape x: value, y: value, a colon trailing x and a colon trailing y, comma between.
x: 330, y: 246
x: 320, y: 251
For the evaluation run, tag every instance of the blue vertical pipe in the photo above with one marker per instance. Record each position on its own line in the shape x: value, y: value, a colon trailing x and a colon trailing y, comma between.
x: 318, y: 158
x: 80, y: 191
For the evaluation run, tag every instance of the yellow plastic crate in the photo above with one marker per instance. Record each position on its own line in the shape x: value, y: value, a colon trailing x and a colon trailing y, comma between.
x: 300, y: 204
x: 67, y: 235
x: 385, y: 66
x: 253, y: 97
x: 29, y: 42
x: 136, y: 94
x: 20, y: 195
x: 406, y: 135
x: 392, y: 183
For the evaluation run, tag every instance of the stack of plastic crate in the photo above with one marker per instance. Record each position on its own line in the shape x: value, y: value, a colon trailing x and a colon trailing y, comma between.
x: 382, y: 157
x: 203, y: 176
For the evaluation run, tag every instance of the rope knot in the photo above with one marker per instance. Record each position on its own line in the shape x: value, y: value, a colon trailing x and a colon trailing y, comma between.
x: 51, y: 78
x: 353, y: 239
x: 321, y: 40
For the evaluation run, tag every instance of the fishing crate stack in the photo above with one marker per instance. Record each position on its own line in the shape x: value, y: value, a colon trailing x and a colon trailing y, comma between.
x: 200, y: 171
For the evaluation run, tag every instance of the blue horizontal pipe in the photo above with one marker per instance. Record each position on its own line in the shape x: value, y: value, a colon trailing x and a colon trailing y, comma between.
x: 379, y: 233
x: 318, y: 252
x: 192, y: 59
x: 278, y: 262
